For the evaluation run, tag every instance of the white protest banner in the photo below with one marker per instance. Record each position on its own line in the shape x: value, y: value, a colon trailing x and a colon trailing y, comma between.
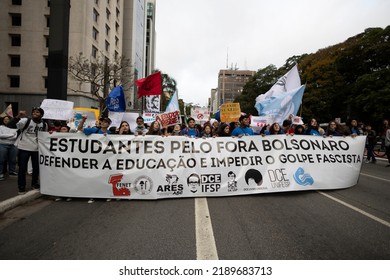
x: 154, y: 167
x: 56, y: 109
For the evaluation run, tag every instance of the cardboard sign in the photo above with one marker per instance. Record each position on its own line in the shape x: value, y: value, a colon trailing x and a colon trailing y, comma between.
x: 56, y: 109
x: 230, y: 112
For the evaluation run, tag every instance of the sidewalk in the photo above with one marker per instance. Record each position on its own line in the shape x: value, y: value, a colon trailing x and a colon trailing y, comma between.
x: 9, y: 197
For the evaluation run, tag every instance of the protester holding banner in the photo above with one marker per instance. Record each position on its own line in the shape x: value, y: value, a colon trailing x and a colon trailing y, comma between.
x: 274, y: 129
x: 287, y: 126
x: 56, y: 126
x: 299, y: 130
x: 333, y: 130
x: 140, y: 129
x: 224, y: 130
x: 233, y: 125
x: 313, y: 128
x: 155, y: 129
x: 207, y: 131
x: 102, y: 129
x: 244, y: 129
x: 215, y: 126
x: 176, y: 130
x: 191, y: 130
x: 8, y: 150
x: 124, y: 128
x: 27, y: 143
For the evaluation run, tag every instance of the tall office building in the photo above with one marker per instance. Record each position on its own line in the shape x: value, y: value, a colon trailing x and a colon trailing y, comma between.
x: 150, y: 50
x: 231, y: 83
x: 110, y: 28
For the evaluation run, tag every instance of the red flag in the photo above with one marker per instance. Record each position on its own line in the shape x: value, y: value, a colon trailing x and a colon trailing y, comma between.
x: 151, y: 85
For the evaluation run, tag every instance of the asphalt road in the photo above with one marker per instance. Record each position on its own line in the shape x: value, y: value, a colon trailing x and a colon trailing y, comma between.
x: 351, y: 224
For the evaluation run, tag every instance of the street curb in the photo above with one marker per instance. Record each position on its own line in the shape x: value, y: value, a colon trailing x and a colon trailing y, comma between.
x: 19, y: 200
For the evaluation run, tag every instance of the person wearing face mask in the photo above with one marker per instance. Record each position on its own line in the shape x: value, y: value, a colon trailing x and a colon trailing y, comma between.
x: 140, y: 129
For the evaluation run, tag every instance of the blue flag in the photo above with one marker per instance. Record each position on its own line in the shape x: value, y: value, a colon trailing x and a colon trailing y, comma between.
x: 280, y: 107
x: 116, y: 100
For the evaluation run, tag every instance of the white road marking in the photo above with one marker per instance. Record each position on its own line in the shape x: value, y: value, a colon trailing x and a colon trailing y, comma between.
x: 205, y: 243
x: 378, y: 178
x: 356, y: 209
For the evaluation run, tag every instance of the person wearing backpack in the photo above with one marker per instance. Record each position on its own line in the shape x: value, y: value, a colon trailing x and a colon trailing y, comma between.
x: 191, y: 130
x: 27, y: 144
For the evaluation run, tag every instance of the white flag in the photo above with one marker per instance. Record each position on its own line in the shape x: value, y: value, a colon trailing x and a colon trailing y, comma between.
x: 277, y: 109
x: 288, y: 82
x: 173, y: 104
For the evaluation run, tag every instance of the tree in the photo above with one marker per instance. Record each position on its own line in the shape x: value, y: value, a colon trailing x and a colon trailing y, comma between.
x: 169, y: 87
x: 101, y: 74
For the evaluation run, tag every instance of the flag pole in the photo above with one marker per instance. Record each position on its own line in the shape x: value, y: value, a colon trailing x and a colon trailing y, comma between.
x: 142, y: 104
x: 302, y: 103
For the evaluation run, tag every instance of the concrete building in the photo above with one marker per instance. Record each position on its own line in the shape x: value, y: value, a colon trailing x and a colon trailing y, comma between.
x: 110, y: 28
x: 150, y: 50
x: 213, y: 103
x: 231, y: 83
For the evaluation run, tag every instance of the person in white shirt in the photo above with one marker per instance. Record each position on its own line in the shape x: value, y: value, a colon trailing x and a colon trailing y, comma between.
x: 27, y: 143
x: 8, y: 151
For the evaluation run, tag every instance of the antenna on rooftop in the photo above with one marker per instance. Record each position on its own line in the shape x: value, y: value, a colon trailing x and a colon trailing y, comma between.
x: 227, y: 58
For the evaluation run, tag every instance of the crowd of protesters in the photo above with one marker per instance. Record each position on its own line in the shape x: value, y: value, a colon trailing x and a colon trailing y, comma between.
x: 19, y: 136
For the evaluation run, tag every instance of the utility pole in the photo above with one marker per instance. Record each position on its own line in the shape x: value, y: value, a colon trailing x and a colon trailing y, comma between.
x: 58, y: 50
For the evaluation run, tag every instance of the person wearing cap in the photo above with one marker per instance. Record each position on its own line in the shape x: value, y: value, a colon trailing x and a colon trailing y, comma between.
x: 244, y: 129
x: 102, y: 129
x: 27, y: 144
x: 105, y: 122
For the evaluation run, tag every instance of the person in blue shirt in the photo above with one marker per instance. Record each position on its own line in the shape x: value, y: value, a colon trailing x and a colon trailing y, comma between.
x: 105, y: 122
x: 191, y: 130
x: 102, y: 128
x: 313, y: 128
x: 274, y: 129
x: 244, y: 129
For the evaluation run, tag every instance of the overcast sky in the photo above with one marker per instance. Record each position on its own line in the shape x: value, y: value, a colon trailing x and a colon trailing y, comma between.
x: 195, y: 37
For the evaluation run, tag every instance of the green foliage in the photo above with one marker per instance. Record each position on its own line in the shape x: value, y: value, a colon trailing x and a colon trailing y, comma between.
x: 169, y: 86
x: 347, y: 80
